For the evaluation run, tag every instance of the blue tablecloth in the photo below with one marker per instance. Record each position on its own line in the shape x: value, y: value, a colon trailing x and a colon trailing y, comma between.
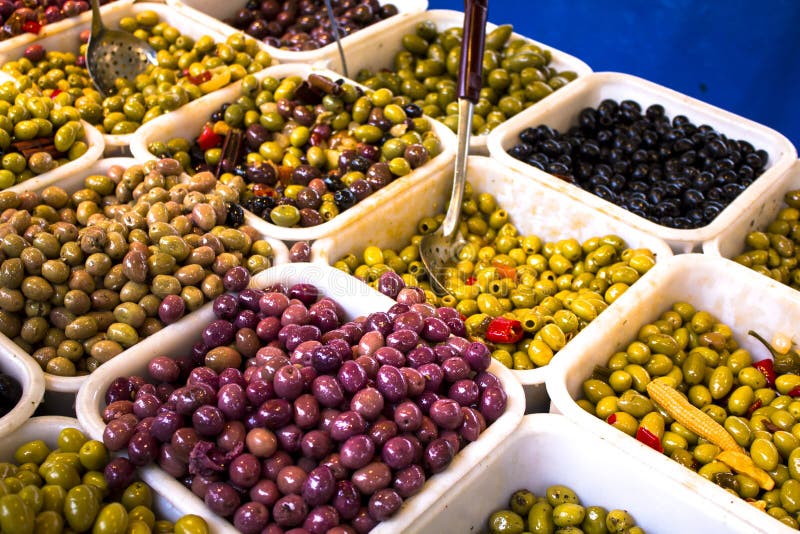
x: 740, y: 55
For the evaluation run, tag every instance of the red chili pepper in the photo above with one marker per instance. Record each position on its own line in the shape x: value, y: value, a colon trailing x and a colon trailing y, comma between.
x: 753, y: 407
x: 506, y: 271
x: 263, y: 190
x: 55, y: 93
x: 503, y: 330
x: 611, y: 419
x: 207, y: 138
x: 32, y: 27
x: 765, y: 366
x: 200, y: 78
x: 471, y: 280
x: 649, y: 439
x: 794, y: 392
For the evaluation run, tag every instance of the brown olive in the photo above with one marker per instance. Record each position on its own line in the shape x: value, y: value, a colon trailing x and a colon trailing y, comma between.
x: 77, y: 302
x: 37, y: 288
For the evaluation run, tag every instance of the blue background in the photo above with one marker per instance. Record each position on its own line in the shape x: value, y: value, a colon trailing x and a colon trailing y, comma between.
x: 740, y: 55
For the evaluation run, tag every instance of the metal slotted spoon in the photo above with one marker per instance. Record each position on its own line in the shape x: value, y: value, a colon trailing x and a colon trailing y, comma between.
x: 113, y: 54
x: 439, y: 249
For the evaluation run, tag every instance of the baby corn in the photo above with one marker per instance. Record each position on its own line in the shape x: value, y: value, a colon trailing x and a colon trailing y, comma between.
x: 679, y: 408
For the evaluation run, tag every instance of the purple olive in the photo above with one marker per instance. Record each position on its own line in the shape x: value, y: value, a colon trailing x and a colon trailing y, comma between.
x: 319, y: 486
x: 288, y: 382
x: 306, y: 411
x: 327, y: 391
x: 368, y: 403
x: 275, y: 413
x: 464, y: 391
x: 408, y: 416
x: 414, y: 380
x: 409, y: 481
x: 352, y: 377
x: 316, y: 444
x: 372, y: 477
x: 391, y: 383
x: 225, y: 307
x: 478, y: 356
x: 236, y: 279
x: 398, y: 452
x: 357, y: 451
x: 251, y: 518
x: 492, y: 403
x: 384, y: 503
x: 346, y: 424
x: 208, y: 421
x: 244, y: 470
x: 290, y: 511
x: 326, y: 360
x: 381, y: 431
x: 446, y: 413
x: 347, y: 499
x: 420, y: 355
x: 142, y: 448
x: 163, y: 369
x: 265, y: 492
x: 171, y: 309
x: 390, y: 355
x: 231, y: 401
x: 321, y: 520
x: 438, y: 455
x: 119, y: 473
x: 221, y: 498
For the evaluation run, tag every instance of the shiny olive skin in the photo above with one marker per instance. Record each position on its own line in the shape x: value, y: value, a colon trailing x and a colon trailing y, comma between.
x: 756, y: 408
x: 558, y: 509
x: 84, y: 292
x: 553, y: 289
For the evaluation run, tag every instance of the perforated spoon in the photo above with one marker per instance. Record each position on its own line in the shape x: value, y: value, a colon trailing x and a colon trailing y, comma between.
x: 439, y: 249
x: 113, y: 54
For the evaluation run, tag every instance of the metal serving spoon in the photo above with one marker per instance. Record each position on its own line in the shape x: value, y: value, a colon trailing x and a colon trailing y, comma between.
x: 113, y: 54
x: 440, y: 248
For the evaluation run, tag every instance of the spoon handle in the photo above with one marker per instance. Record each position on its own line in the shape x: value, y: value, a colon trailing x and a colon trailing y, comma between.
x: 470, y: 68
x: 97, y: 21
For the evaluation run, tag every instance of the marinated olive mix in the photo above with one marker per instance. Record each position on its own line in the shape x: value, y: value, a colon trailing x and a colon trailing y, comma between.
x: 669, y: 171
x: 285, y: 416
x: 308, y: 149
x: 10, y: 393
x: 300, y: 25
x: 186, y: 69
x: 687, y: 389
x: 773, y: 251
x: 516, y: 75
x: 78, y: 488
x: 87, y: 275
x: 524, y: 297
x: 36, y: 135
x: 559, y: 509
x: 18, y: 18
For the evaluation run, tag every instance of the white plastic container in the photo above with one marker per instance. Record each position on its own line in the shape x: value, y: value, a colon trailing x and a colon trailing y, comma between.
x: 68, y: 41
x: 49, y: 29
x: 737, y: 296
x: 61, y: 390
x: 548, y: 449
x: 47, y: 428
x: 532, y: 208
x: 377, y: 55
x: 730, y: 241
x: 189, y: 120
x: 95, y: 142
x: 30, y: 376
x: 356, y: 298
x: 560, y: 111
x: 211, y: 14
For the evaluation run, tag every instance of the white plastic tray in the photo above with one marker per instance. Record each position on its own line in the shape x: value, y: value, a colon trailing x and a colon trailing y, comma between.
x: 533, y: 208
x: 49, y: 29
x: 356, y: 298
x: 210, y: 14
x: 68, y: 41
x: 30, y: 376
x: 737, y: 296
x: 96, y: 143
x: 189, y: 120
x: 61, y: 390
x: 560, y: 111
x: 376, y: 55
x: 548, y: 449
x: 46, y: 428
x: 730, y: 241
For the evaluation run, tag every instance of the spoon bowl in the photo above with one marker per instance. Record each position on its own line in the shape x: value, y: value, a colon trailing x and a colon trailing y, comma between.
x: 114, y: 54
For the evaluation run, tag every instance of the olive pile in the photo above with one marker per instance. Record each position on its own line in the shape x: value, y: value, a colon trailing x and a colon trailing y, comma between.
x: 558, y: 510
x: 754, y: 402
x: 516, y: 75
x: 87, y: 275
x: 524, y: 297
x: 77, y: 488
x: 308, y: 149
x: 36, y: 136
x: 10, y: 393
x: 186, y: 69
x: 671, y: 172
x: 17, y: 18
x: 304, y: 25
x: 773, y: 251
